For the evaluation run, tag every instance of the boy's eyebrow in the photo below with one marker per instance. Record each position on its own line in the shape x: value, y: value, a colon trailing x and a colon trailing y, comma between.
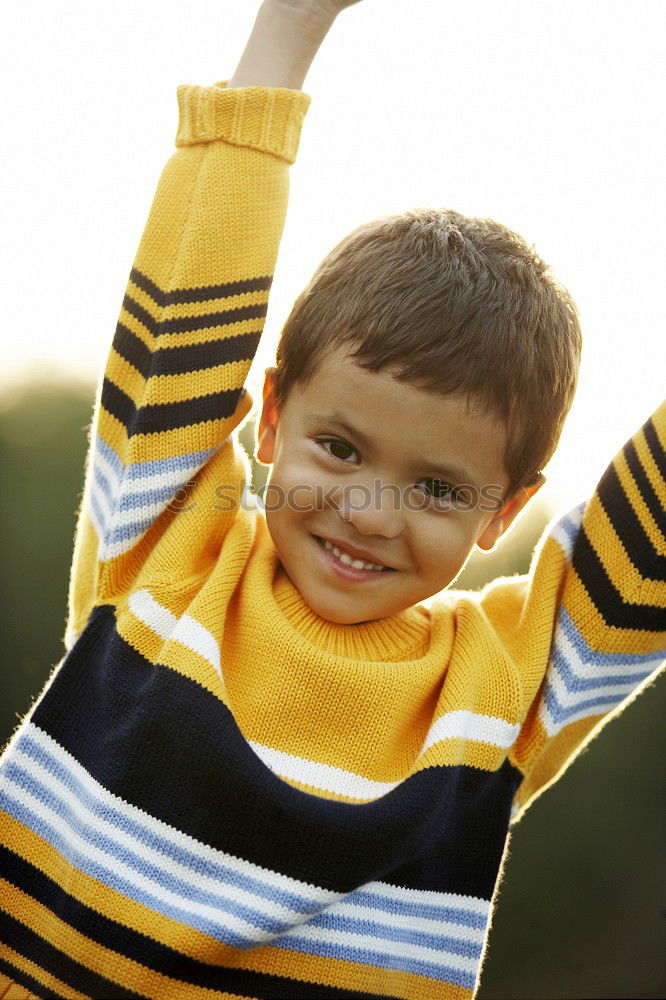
x: 336, y: 419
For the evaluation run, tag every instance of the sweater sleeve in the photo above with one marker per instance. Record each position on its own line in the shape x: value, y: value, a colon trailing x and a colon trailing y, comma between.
x: 609, y: 623
x: 172, y: 389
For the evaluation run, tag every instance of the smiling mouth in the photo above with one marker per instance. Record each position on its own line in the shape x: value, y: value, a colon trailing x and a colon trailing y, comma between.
x: 343, y: 559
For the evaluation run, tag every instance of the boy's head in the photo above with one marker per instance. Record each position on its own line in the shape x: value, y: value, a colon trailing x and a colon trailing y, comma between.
x: 429, y: 352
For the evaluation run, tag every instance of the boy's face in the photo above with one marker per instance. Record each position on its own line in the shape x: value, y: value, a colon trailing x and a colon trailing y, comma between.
x: 365, y: 462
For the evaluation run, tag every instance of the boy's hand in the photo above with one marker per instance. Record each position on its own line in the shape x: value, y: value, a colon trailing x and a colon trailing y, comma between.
x: 284, y: 41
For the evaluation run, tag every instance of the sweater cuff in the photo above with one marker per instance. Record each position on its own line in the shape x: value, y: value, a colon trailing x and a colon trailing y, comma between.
x: 264, y: 118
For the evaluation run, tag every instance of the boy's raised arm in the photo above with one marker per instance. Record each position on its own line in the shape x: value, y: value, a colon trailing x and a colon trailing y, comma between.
x: 195, y: 304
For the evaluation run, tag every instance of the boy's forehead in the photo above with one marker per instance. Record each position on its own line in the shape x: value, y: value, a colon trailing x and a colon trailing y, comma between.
x: 380, y: 411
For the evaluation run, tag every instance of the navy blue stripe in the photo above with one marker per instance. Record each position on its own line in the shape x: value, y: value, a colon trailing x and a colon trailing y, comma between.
x: 649, y: 563
x: 187, y: 324
x: 605, y: 596
x: 22, y: 979
x: 196, y: 357
x: 180, y: 360
x: 143, y: 949
x: 655, y: 446
x: 182, y: 295
x: 165, y: 744
x: 167, y: 416
x: 647, y: 491
x: 118, y: 403
x: 33, y: 947
x: 132, y: 349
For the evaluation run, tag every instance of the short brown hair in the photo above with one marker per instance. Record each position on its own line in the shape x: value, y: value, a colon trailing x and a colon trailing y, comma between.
x: 461, y: 306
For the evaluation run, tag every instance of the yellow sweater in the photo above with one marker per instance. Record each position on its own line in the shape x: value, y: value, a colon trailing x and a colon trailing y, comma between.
x: 219, y: 793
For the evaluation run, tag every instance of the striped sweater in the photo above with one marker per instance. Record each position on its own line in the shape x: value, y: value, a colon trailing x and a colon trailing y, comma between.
x: 219, y: 793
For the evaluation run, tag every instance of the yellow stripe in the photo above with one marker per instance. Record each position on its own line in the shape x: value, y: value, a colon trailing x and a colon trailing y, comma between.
x: 190, y: 385
x: 189, y: 941
x: 125, y: 377
x: 347, y: 975
x: 180, y: 310
x: 45, y: 978
x: 140, y: 331
x: 632, y: 587
x: 96, y: 957
x: 213, y: 333
x: 647, y: 521
x: 10, y: 990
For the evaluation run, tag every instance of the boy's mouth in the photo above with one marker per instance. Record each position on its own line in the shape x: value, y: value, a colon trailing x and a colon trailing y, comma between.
x: 348, y: 566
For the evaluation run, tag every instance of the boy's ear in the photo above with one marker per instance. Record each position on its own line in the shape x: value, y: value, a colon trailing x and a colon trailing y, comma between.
x: 266, y: 432
x: 504, y: 517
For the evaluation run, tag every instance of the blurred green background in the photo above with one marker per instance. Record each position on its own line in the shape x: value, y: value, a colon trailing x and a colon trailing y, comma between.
x: 581, y: 912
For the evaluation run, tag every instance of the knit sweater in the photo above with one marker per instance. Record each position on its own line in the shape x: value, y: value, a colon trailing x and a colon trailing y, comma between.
x: 219, y: 793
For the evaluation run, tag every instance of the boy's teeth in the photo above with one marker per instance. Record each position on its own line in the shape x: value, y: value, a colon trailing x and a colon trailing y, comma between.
x: 347, y: 559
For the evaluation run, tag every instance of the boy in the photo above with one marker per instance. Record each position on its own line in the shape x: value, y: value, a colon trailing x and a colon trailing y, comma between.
x: 265, y: 768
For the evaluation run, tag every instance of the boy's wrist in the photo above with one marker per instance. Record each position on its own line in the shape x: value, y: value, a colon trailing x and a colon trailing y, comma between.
x: 283, y: 42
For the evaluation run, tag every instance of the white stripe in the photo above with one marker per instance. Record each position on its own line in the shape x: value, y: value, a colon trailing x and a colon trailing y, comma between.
x: 466, y: 725
x: 186, y: 630
x: 158, y: 618
x: 168, y: 866
x: 573, y: 520
x: 311, y: 894
x: 119, y: 869
x: 189, y: 632
x: 403, y: 949
x: 150, y: 509
x: 114, y: 549
x: 567, y: 698
x: 589, y: 669
x: 322, y: 776
x: 102, y: 464
x: 553, y: 726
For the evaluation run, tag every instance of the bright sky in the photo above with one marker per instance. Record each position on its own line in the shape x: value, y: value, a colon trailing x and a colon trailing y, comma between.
x: 544, y: 114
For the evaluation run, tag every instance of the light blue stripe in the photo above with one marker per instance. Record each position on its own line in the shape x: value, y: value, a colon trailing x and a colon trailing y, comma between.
x: 156, y: 467
x: 106, y: 487
x: 101, y: 520
x: 574, y: 683
x: 129, y: 532
x: 111, y: 456
x: 188, y: 859
x: 163, y: 495
x: 361, y: 925
x: 166, y: 880
x: 560, y: 714
x: 567, y: 625
x: 570, y: 523
x: 365, y: 956
x: 430, y: 911
x: 108, y: 876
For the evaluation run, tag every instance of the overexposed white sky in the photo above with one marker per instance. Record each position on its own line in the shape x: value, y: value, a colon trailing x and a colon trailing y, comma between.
x: 544, y: 114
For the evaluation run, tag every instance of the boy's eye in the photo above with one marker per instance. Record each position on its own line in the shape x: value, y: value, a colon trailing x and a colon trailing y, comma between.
x: 437, y: 489
x: 338, y: 448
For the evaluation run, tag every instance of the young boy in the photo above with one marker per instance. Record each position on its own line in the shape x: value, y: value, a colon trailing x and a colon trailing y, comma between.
x: 265, y: 767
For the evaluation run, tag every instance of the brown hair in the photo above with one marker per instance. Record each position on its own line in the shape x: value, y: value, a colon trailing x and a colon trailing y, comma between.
x: 459, y: 306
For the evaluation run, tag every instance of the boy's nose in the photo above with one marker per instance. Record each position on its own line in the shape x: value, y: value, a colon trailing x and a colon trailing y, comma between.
x: 372, y: 510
